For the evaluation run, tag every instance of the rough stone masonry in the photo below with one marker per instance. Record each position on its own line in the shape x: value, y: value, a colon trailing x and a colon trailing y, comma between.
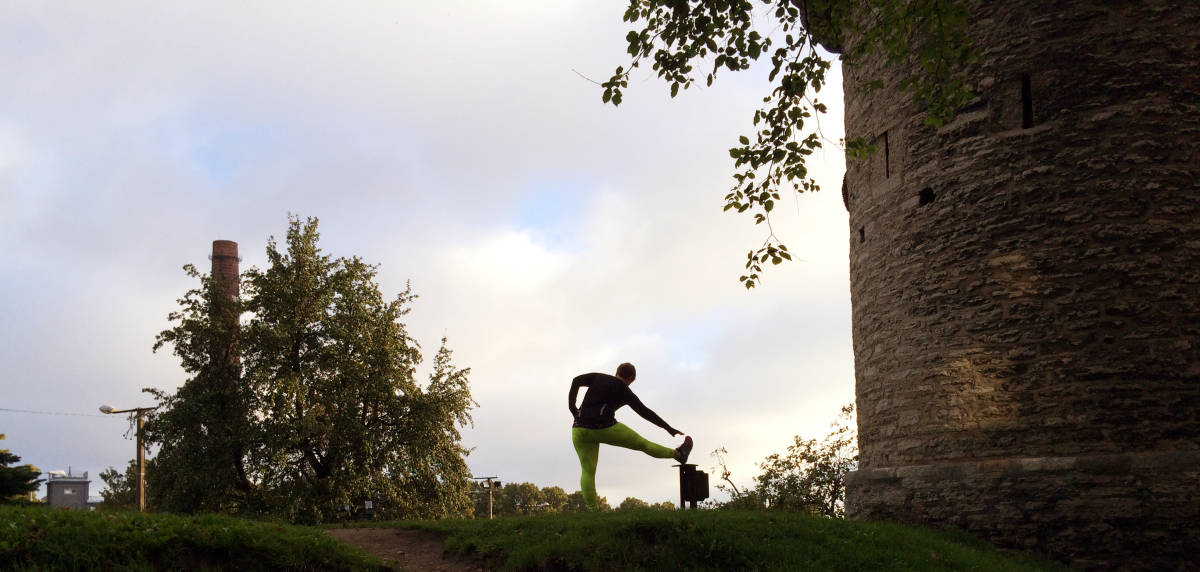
x: 1026, y: 287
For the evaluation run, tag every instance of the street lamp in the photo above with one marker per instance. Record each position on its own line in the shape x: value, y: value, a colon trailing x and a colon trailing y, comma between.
x: 492, y: 484
x: 141, y: 448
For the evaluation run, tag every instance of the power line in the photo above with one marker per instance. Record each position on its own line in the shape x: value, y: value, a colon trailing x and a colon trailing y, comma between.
x: 54, y: 413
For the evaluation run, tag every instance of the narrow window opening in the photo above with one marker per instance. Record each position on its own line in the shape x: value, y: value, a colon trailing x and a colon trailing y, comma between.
x: 925, y: 197
x: 845, y: 194
x: 887, y: 157
x: 862, y: 234
x: 1026, y: 102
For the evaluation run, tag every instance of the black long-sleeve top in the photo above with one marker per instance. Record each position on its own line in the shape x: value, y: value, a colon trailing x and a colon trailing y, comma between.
x: 605, y: 395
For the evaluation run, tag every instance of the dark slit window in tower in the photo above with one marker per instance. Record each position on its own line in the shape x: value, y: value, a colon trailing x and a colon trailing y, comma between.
x: 1026, y: 102
x: 887, y: 157
x: 845, y: 194
x: 862, y: 234
x: 925, y: 197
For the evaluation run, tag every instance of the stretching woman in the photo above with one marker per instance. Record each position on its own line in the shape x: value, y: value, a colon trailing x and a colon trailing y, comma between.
x: 595, y: 423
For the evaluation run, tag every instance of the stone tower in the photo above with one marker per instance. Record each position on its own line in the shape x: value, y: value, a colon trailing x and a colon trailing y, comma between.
x: 1026, y: 286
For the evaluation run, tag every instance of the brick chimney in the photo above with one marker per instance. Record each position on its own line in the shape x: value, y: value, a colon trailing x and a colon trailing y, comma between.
x: 225, y: 265
x: 226, y: 275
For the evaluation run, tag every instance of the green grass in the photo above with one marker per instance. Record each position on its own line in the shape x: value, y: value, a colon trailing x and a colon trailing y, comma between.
x: 35, y: 538
x: 715, y: 540
x: 38, y: 538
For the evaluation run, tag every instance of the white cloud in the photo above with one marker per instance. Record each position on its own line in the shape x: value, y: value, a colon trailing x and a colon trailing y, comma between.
x: 510, y: 263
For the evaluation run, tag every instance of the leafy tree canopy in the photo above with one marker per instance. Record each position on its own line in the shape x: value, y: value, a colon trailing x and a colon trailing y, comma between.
x: 313, y: 402
x: 685, y: 40
x: 522, y: 499
x: 16, y: 482
x: 120, y: 492
x: 576, y: 503
x: 519, y: 499
x: 633, y: 503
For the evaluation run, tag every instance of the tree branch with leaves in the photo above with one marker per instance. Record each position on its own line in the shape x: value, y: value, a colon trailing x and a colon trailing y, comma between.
x: 679, y: 36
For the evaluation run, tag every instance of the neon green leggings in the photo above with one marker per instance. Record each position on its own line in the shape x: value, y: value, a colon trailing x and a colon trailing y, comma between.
x: 587, y: 446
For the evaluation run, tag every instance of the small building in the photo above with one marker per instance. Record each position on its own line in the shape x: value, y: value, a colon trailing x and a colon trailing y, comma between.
x: 64, y: 490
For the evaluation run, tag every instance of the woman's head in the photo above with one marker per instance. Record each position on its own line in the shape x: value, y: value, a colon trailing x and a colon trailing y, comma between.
x: 626, y: 373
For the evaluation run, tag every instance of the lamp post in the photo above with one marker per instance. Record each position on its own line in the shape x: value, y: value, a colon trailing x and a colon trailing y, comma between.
x: 492, y: 483
x: 141, y: 449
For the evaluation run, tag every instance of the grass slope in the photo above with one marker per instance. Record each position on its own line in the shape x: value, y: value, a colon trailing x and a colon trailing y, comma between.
x: 37, y: 538
x: 716, y: 540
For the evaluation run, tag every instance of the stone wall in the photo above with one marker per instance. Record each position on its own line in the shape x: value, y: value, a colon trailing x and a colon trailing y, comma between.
x: 1125, y: 510
x: 1026, y: 282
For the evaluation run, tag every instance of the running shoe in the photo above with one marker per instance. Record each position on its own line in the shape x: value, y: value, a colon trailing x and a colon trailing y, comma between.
x: 682, y: 451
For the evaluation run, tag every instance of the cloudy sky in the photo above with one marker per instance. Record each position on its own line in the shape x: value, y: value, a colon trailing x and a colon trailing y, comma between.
x: 454, y: 143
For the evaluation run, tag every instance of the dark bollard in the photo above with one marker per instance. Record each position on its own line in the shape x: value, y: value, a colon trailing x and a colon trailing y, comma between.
x: 693, y: 485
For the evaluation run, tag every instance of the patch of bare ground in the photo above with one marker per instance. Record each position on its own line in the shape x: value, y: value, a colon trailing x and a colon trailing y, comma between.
x: 415, y: 550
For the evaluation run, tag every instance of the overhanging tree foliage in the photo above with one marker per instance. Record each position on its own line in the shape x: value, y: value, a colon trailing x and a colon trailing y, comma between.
x: 688, y: 39
x: 319, y: 405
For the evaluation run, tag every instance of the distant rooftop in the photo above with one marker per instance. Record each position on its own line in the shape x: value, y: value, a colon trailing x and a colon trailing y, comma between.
x: 66, y: 475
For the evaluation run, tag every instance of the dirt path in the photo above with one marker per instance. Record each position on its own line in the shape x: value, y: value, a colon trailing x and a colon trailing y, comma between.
x: 412, y: 549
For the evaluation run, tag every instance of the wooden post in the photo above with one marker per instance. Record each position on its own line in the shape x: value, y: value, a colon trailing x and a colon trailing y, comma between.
x: 489, y: 482
x: 141, y: 461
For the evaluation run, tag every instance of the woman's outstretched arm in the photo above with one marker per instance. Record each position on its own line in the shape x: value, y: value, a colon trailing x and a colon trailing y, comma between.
x: 641, y: 409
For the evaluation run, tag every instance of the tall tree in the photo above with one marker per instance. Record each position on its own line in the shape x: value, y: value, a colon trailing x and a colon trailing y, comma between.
x: 683, y: 38
x: 16, y: 482
x: 203, y: 429
x: 325, y: 402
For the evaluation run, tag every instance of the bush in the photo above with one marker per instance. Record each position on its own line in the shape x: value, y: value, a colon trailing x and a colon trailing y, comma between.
x: 810, y: 477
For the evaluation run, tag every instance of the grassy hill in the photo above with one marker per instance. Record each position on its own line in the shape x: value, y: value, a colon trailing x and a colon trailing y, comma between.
x: 716, y: 540
x: 38, y: 538
x: 35, y: 538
